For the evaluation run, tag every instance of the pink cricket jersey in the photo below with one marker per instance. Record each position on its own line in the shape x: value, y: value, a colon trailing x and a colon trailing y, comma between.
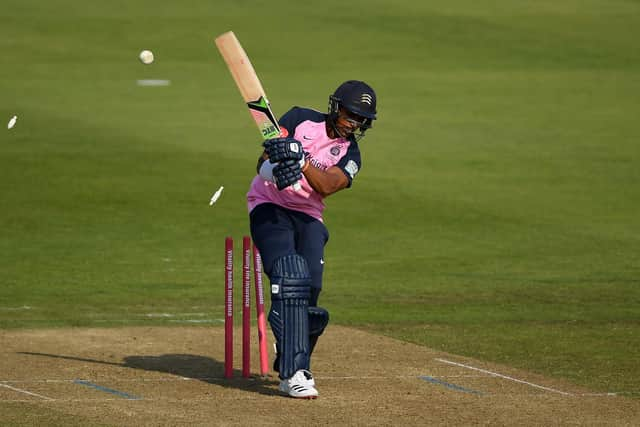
x: 308, y: 127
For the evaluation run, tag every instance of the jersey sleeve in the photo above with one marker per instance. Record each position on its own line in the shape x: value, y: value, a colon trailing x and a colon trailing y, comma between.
x: 291, y: 119
x: 351, y: 162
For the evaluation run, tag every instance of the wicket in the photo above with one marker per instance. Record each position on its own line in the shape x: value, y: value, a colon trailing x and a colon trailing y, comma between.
x: 246, y: 309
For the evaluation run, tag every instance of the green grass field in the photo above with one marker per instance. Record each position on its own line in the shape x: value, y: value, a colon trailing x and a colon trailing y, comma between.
x: 497, y: 214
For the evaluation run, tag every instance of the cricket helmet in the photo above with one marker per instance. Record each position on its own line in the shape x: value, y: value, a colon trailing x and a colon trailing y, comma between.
x: 356, y: 97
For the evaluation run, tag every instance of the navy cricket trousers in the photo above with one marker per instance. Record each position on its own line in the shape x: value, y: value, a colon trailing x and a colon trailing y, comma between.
x: 278, y: 231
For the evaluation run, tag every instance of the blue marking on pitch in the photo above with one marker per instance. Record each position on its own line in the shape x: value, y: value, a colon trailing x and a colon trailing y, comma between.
x: 107, y: 390
x: 449, y: 385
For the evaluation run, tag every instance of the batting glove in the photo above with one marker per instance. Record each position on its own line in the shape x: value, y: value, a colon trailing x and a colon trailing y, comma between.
x: 287, y: 173
x: 280, y: 149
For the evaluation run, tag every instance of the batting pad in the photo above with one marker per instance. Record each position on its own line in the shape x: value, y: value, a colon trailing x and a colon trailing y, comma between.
x: 289, y: 315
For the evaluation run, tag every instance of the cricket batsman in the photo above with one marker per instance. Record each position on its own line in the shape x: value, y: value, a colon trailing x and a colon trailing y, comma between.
x: 316, y: 155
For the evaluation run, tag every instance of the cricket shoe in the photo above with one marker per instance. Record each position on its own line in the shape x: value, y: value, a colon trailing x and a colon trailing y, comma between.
x: 276, y: 365
x: 300, y: 385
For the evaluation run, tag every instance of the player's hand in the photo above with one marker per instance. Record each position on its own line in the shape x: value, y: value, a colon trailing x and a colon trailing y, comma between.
x: 280, y: 149
x: 287, y: 173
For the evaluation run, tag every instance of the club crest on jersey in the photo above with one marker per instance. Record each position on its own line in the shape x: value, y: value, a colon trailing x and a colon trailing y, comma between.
x: 351, y: 168
x: 335, y: 150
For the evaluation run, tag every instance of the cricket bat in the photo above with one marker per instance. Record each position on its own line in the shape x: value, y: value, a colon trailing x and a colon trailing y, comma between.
x: 249, y: 85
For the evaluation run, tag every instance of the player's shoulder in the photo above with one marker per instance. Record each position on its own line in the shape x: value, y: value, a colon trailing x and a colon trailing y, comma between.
x: 302, y: 114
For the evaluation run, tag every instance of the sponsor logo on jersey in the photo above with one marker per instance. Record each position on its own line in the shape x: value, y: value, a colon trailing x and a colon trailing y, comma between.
x: 335, y: 150
x: 317, y: 164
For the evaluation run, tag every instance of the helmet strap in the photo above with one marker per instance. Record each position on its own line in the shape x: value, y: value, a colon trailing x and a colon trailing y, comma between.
x: 334, y: 109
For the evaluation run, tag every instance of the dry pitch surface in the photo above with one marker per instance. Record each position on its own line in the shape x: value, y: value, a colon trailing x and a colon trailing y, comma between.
x: 173, y: 376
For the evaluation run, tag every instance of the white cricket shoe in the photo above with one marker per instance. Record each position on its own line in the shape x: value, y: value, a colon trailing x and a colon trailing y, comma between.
x: 276, y: 366
x: 301, y: 385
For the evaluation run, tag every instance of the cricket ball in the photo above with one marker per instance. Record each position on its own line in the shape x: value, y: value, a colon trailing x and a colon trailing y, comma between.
x: 146, y: 56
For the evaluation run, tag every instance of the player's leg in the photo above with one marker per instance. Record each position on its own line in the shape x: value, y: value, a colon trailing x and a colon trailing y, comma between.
x: 289, y: 319
x: 273, y: 233
x: 311, y: 238
x: 318, y: 320
x: 272, y: 230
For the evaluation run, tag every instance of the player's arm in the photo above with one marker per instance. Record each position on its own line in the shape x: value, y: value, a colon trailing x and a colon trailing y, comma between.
x: 325, y: 182
x: 338, y: 176
x: 264, y: 156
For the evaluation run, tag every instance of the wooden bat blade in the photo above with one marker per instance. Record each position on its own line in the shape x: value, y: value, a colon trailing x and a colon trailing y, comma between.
x: 248, y: 83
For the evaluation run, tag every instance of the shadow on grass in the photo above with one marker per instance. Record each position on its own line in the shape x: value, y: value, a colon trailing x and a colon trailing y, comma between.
x: 190, y: 366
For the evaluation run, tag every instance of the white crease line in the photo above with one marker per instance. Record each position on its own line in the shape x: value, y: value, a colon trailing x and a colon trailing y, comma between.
x: 213, y: 398
x: 494, y: 374
x: 19, y: 390
x: 196, y: 321
x: 608, y: 394
x: 222, y: 378
x: 368, y: 377
x: 153, y: 319
x: 72, y: 400
x: 177, y: 379
x: 110, y: 379
x: 330, y: 378
x: 24, y: 307
x: 115, y: 379
x: 321, y: 378
x: 153, y: 82
x: 174, y: 314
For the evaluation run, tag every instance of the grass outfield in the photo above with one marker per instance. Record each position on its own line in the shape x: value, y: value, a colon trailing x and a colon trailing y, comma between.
x: 496, y: 214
